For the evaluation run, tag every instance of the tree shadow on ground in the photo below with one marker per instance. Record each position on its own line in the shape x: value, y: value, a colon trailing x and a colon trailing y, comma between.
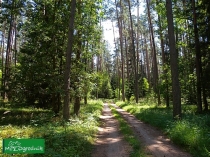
x: 19, y: 116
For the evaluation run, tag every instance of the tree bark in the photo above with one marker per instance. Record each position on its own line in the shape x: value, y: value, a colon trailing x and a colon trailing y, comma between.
x: 174, y: 63
x: 198, y: 60
x: 166, y: 93
x: 2, y: 56
x: 147, y: 61
x: 66, y: 109
x: 78, y: 58
x: 76, y: 105
x: 15, y: 42
x: 136, y: 87
x: 155, y: 73
x: 137, y: 41
x: 8, y: 59
x: 119, y: 19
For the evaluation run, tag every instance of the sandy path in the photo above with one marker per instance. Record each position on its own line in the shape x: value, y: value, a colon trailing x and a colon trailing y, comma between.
x: 154, y: 141
x: 109, y: 141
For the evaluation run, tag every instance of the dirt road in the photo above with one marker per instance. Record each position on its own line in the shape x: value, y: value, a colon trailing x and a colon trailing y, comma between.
x: 110, y: 142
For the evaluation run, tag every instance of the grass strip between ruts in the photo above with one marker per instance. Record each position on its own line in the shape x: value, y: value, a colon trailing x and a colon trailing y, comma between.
x: 129, y: 135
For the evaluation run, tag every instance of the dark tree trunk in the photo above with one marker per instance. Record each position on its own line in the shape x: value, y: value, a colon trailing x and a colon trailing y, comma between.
x: 137, y: 41
x: 198, y: 60
x: 56, y: 103
x: 166, y: 93
x: 2, y: 68
x: 8, y: 61
x: 78, y: 58
x: 66, y: 109
x: 155, y: 73
x: 76, y: 105
x: 15, y: 43
x: 136, y: 87
x: 174, y: 63
x: 119, y: 20
x: 85, y: 100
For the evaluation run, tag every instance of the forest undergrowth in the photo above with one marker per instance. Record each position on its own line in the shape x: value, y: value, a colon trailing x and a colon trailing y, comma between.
x: 192, y: 132
x: 67, y: 139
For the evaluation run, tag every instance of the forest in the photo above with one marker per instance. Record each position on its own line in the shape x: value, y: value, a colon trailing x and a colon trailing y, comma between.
x: 57, y: 69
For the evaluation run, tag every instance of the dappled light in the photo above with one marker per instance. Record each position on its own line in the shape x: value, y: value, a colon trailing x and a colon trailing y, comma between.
x: 109, y: 141
x: 157, y: 144
x: 65, y: 64
x: 61, y: 138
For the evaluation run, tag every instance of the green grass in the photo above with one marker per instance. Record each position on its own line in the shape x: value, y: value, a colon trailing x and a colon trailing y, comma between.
x: 72, y: 139
x: 191, y: 133
x: 129, y: 136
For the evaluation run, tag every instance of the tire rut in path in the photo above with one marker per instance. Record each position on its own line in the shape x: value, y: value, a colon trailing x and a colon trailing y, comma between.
x: 153, y: 140
x: 110, y: 142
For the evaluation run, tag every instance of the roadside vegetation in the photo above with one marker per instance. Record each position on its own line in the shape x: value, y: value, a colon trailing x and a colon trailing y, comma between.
x: 191, y: 133
x: 73, y: 138
x: 128, y: 135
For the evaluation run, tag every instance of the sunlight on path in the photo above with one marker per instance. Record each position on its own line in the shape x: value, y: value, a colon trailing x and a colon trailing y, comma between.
x: 110, y: 142
x: 151, y: 138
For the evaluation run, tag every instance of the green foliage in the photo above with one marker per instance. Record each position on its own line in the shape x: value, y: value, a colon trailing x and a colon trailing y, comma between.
x: 115, y: 85
x: 165, y: 85
x: 37, y: 80
x: 116, y: 93
x: 192, y: 132
x: 68, y: 139
x: 144, y: 87
x: 129, y: 86
x: 101, y: 85
x: 187, y: 81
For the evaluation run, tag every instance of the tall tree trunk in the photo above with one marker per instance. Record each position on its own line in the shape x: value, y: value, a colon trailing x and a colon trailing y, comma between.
x: 119, y: 19
x: 137, y: 39
x: 127, y: 60
x: 15, y: 42
x: 116, y: 48
x: 66, y: 109
x: 126, y: 54
x: 166, y: 93
x: 8, y: 59
x: 174, y: 62
x: 78, y: 58
x: 86, y: 70
x: 56, y: 96
x: 76, y: 105
x: 147, y: 62
x: 155, y: 73
x: 198, y: 60
x: 136, y: 87
x: 2, y: 57
x: 98, y: 63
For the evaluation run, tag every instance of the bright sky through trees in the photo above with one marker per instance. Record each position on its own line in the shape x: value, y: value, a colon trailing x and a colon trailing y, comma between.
x: 108, y: 29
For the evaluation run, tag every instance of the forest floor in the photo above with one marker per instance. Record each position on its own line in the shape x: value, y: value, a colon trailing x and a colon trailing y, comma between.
x: 110, y: 142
